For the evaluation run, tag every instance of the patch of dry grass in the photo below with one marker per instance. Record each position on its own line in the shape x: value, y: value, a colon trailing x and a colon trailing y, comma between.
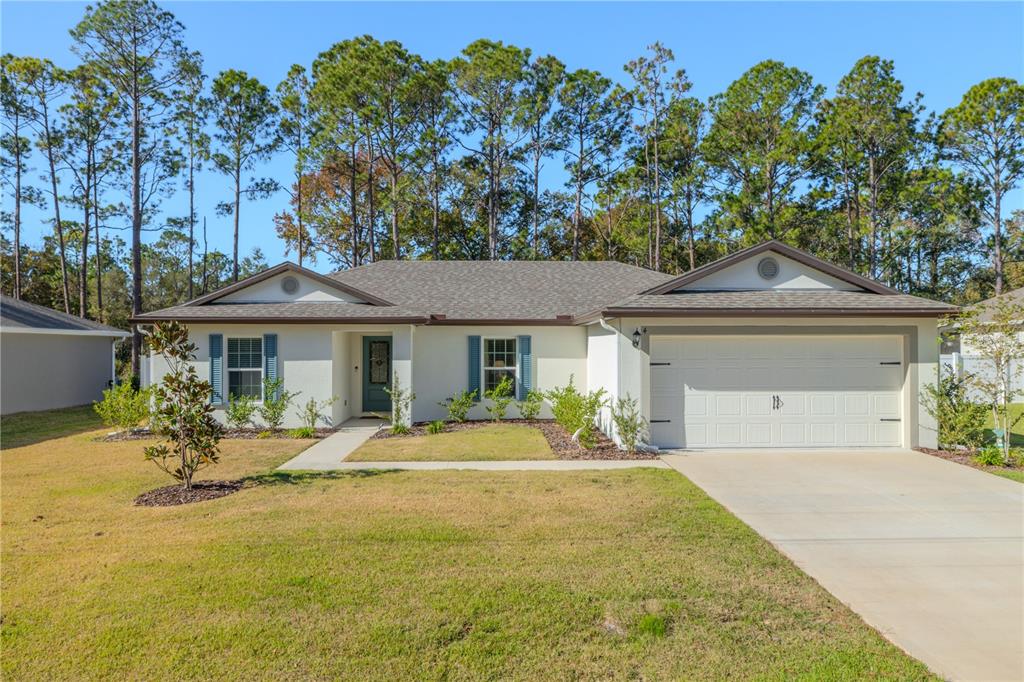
x: 494, y: 442
x: 412, y: 575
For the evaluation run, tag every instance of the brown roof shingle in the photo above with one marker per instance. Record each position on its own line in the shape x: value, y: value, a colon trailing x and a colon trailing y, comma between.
x: 781, y: 301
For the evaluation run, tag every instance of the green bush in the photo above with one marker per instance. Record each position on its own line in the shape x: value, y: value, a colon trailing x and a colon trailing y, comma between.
x: 500, y: 397
x: 303, y: 432
x: 961, y: 422
x: 240, y: 411
x: 530, y: 408
x: 275, y: 403
x: 576, y: 411
x: 313, y: 412
x: 124, y: 407
x: 459, y: 405
x: 990, y: 455
x: 435, y: 427
x: 629, y: 423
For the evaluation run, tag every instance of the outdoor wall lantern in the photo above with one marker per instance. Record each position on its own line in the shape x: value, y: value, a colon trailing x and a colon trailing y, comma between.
x: 638, y: 335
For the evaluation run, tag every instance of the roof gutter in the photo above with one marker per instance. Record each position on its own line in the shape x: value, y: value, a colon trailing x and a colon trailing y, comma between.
x: 778, y: 312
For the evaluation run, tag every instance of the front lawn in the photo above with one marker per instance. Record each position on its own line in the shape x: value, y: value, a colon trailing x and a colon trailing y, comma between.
x: 491, y: 442
x: 400, y: 575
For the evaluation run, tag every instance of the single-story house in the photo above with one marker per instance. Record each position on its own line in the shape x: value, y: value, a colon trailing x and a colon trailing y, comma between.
x: 767, y: 347
x: 49, y: 359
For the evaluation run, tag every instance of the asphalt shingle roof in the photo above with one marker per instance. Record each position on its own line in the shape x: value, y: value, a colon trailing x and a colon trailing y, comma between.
x: 508, y: 290
x: 310, y: 311
x: 24, y: 315
x: 782, y: 299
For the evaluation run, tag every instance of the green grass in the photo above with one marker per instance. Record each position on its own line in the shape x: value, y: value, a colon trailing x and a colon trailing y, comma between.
x: 400, y: 575
x: 492, y: 442
x: 1016, y: 431
x: 26, y: 428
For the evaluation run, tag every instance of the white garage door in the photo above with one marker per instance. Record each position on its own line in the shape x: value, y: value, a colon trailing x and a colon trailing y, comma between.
x: 776, y: 391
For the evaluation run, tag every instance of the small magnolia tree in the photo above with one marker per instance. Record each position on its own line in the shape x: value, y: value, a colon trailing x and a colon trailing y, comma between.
x: 183, y: 415
x: 995, y: 332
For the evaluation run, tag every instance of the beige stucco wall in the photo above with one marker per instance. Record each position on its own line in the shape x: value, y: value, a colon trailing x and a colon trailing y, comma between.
x: 318, y: 361
x: 48, y: 371
x: 921, y: 361
x: 441, y: 362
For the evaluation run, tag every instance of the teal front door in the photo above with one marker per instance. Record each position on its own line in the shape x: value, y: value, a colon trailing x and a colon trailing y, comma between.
x: 376, y: 373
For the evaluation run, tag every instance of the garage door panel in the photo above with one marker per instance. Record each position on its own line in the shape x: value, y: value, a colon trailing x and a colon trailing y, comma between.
x: 720, y: 391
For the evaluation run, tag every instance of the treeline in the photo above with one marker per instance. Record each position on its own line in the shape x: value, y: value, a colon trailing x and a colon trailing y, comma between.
x: 496, y: 153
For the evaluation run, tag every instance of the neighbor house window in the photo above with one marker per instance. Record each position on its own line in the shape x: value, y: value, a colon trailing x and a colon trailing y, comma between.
x: 245, y: 367
x: 499, y: 361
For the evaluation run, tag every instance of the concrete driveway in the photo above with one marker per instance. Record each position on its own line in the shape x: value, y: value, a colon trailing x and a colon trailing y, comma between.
x: 929, y: 552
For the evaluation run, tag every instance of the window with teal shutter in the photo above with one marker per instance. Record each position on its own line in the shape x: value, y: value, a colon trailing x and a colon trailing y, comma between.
x: 217, y: 368
x: 270, y: 360
x: 474, y: 366
x: 525, y: 375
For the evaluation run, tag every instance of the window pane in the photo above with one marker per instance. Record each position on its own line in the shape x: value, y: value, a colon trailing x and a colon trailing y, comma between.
x: 500, y: 353
x: 245, y: 353
x: 380, y: 361
x: 245, y: 382
x: 492, y: 377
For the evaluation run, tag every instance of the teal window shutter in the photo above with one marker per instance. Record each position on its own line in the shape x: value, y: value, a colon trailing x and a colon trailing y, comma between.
x: 270, y: 359
x: 474, y: 366
x: 217, y: 368
x: 524, y: 383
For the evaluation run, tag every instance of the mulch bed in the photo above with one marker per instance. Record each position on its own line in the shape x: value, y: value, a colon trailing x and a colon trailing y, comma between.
x: 173, y: 495
x: 558, y: 438
x: 235, y: 434
x: 967, y: 459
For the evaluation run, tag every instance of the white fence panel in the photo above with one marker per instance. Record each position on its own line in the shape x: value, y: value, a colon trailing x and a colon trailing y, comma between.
x: 974, y: 365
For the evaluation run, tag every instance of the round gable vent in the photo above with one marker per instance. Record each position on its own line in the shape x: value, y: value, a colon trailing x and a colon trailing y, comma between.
x: 289, y: 285
x: 768, y: 268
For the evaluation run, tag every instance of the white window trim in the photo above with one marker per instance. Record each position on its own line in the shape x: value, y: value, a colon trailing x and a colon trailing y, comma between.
x: 228, y: 370
x: 484, y: 367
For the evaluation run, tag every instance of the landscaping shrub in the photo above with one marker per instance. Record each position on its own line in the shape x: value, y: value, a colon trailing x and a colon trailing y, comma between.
x: 576, y: 411
x: 961, y: 422
x: 459, y: 405
x: 530, y: 408
x: 303, y: 432
x: 240, y: 411
x: 124, y: 407
x: 500, y: 397
x: 184, y: 416
x: 312, y: 413
x: 401, y: 404
x: 629, y: 423
x: 435, y: 427
x: 275, y: 403
x: 990, y: 455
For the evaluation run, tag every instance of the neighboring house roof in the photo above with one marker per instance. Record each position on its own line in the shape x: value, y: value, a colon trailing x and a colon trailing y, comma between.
x: 22, y: 316
x: 548, y: 292
x: 984, y: 308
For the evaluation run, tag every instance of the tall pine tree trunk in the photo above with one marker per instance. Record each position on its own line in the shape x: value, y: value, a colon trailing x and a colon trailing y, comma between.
x: 191, y: 218
x: 372, y: 208
x: 17, y: 205
x: 238, y: 205
x: 136, y: 226
x: 58, y: 225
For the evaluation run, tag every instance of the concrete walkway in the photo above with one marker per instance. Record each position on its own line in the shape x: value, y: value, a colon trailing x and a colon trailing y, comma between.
x: 513, y: 465
x: 326, y: 454
x: 929, y: 552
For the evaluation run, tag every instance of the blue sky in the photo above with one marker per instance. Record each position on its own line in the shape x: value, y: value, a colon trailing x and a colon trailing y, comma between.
x: 940, y: 49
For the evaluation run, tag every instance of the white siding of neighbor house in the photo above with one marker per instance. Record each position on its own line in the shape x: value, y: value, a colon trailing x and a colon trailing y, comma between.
x: 49, y: 371
x: 441, y: 362
x: 270, y: 291
x: 918, y: 426
x: 743, y: 276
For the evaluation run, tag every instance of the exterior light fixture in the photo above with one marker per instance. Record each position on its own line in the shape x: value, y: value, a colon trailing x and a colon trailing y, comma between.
x: 638, y: 334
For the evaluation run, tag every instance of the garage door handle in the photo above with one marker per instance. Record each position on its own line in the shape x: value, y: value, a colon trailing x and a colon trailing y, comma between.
x: 660, y: 421
x: 660, y: 364
x: 888, y: 419
x: 895, y: 362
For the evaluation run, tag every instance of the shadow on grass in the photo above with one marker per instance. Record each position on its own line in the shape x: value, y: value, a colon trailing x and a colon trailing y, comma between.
x: 278, y: 477
x: 28, y: 428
